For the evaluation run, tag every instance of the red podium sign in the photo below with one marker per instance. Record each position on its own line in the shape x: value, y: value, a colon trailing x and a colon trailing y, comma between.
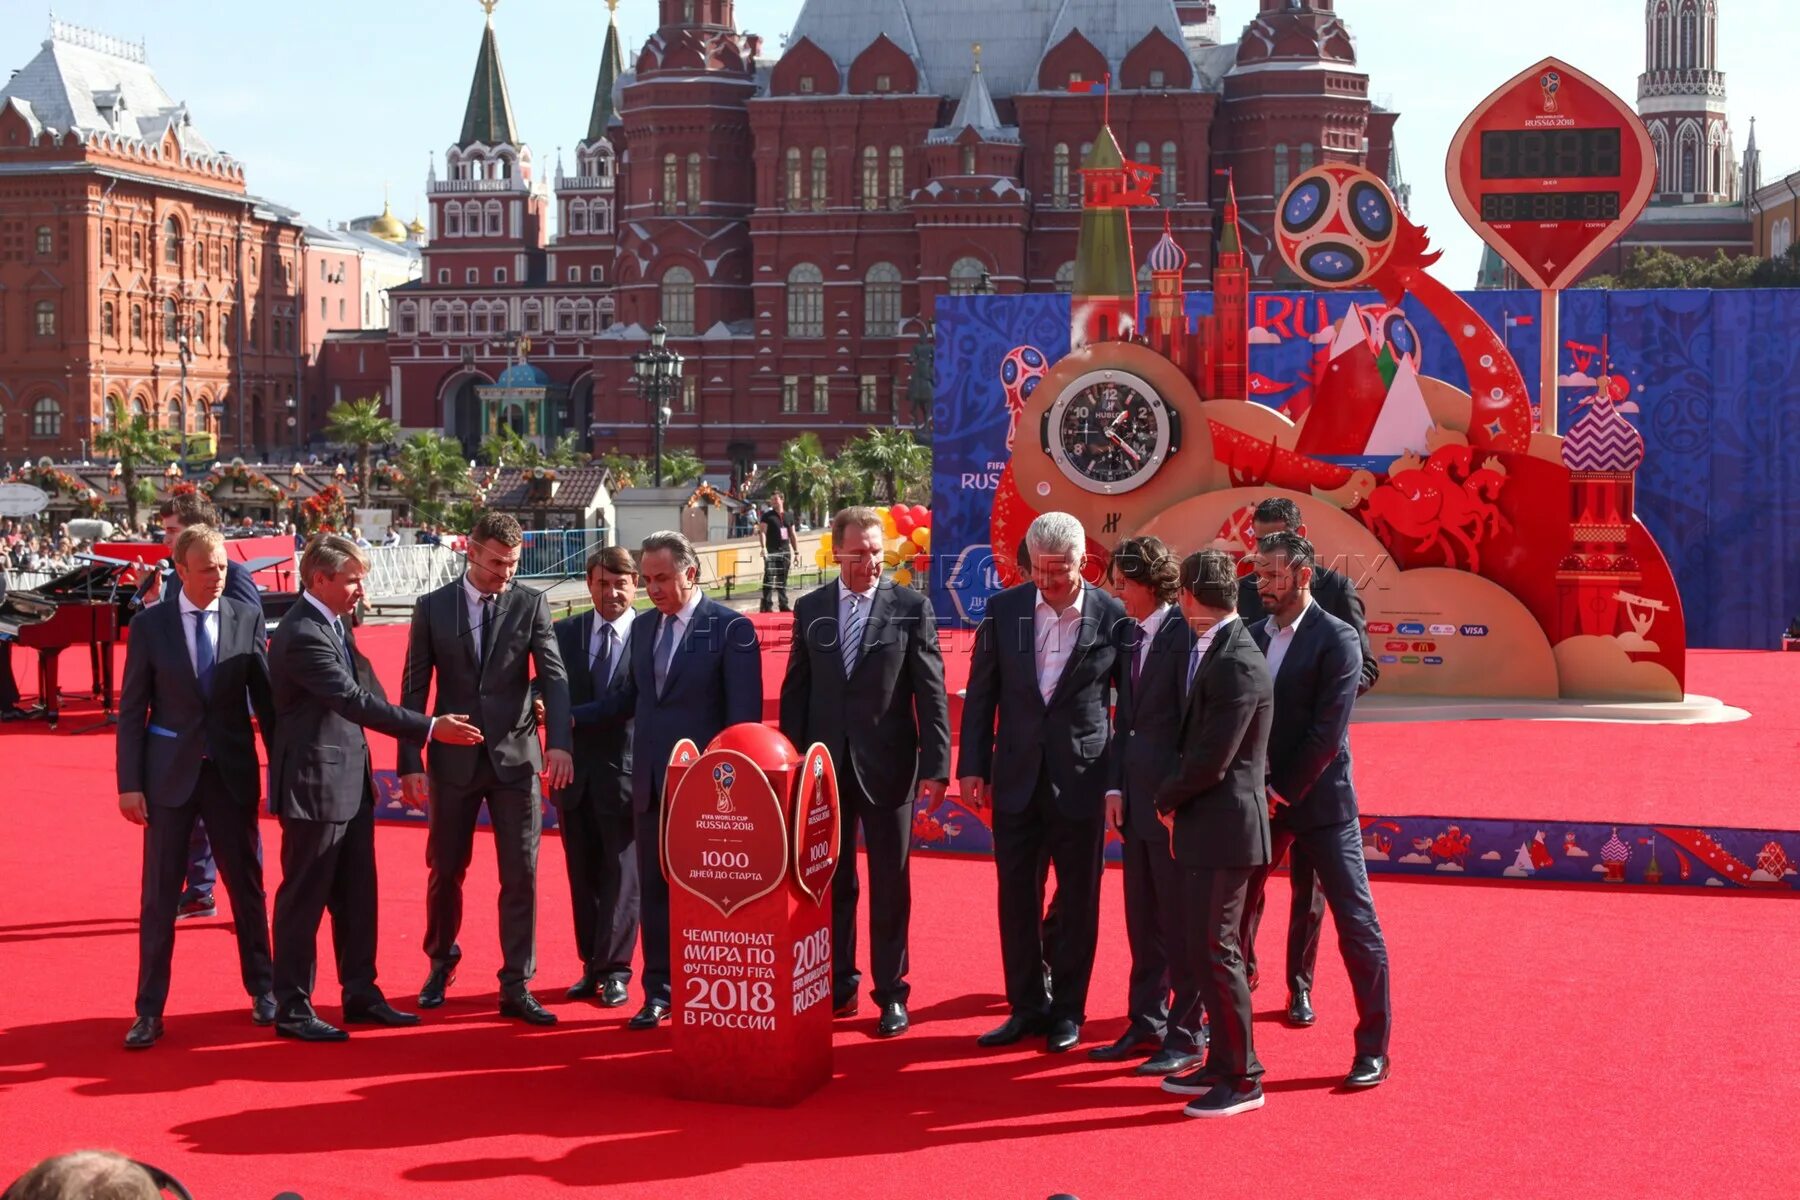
x: 750, y: 949
x: 816, y: 824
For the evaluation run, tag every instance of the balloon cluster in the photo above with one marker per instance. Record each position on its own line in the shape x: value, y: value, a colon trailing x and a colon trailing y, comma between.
x: 906, y: 537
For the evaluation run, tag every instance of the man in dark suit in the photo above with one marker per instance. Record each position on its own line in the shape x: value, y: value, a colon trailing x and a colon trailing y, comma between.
x: 778, y: 552
x: 594, y: 811
x: 194, y: 671
x: 322, y: 788
x: 1035, y: 739
x: 1213, y: 805
x: 1317, y: 669
x: 482, y: 640
x: 695, y: 669
x: 865, y: 679
x: 1163, y: 1000
x: 178, y: 513
x: 9, y: 688
x: 1334, y: 592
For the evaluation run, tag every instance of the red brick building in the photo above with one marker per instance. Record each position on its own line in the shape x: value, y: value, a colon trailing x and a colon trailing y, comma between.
x: 791, y: 220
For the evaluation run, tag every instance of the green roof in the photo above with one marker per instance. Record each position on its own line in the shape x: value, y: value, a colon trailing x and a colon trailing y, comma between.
x: 612, y: 65
x: 489, y: 118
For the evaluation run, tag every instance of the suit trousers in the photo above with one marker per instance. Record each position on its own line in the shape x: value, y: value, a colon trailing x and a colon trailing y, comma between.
x: 1336, y: 854
x: 775, y: 578
x: 1075, y: 845
x: 653, y: 903
x: 326, y: 865
x: 1214, y: 900
x: 1306, y: 920
x: 603, y: 886
x: 202, y: 868
x: 517, y: 821
x: 1161, y: 964
x: 9, y: 687
x: 887, y: 836
x: 166, y: 862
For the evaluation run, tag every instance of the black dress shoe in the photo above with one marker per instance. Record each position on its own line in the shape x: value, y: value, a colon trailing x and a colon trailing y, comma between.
x: 262, y: 1010
x: 1300, y: 1010
x: 613, y: 994
x: 523, y: 1006
x: 1133, y: 1043
x: 1367, y: 1071
x: 1168, y: 1062
x: 144, y: 1032
x: 654, y: 1013
x: 309, y: 1029
x: 1062, y: 1036
x: 1016, y: 1028
x: 436, y: 983
x: 894, y: 1020
x: 379, y: 1013
x: 1196, y: 1082
x: 586, y: 989
x: 844, y: 1008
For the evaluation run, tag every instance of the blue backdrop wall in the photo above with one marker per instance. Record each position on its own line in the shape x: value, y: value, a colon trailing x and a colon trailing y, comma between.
x: 1716, y: 376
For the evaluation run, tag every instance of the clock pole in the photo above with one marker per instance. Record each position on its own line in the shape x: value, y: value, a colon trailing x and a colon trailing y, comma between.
x: 1549, y: 398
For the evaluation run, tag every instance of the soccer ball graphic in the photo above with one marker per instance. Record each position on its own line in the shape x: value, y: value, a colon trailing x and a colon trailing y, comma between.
x: 1336, y: 226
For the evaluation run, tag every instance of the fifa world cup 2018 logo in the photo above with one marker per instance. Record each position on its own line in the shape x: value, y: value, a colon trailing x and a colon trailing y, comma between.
x: 1551, y: 82
x: 724, y: 776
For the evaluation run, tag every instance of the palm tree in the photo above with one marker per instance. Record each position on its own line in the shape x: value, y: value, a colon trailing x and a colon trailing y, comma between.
x: 627, y: 471
x: 566, y: 451
x: 359, y: 423
x: 135, y: 443
x: 507, y: 449
x: 681, y: 466
x: 895, y: 458
x: 432, y: 466
x: 803, y: 474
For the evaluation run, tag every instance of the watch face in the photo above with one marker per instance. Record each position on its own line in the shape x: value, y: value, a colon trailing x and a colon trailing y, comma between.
x: 1109, y: 432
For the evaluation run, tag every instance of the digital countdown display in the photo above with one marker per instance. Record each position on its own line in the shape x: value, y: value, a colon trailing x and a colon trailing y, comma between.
x: 1550, y: 170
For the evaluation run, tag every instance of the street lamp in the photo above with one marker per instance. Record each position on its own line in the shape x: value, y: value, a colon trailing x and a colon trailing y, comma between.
x: 183, y: 352
x: 657, y: 372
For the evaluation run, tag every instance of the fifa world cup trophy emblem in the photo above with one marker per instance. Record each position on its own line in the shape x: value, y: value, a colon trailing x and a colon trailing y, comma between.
x: 1551, y: 82
x: 724, y: 776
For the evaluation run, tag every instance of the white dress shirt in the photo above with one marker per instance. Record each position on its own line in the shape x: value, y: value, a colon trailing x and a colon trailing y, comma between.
x: 188, y: 609
x: 1149, y: 627
x: 864, y: 600
x: 1055, y: 635
x: 620, y: 629
x: 682, y: 620
x: 1281, y: 639
x: 472, y: 597
x: 1202, y: 645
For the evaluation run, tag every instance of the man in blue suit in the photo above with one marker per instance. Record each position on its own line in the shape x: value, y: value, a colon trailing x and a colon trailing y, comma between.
x: 1316, y: 664
x: 695, y: 669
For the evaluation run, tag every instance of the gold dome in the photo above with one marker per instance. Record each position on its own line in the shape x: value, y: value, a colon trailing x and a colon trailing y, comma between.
x: 387, y: 226
x: 417, y: 228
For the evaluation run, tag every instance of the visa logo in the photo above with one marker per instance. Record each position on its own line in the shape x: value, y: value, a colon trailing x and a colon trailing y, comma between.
x: 1394, y: 646
x: 1411, y: 659
x: 1443, y: 631
x: 1474, y: 630
x: 1412, y: 628
x: 1388, y: 659
x: 1434, y: 660
x: 1381, y: 627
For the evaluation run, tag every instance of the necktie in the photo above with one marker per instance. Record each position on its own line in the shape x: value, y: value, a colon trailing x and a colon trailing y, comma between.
x: 665, y: 652
x: 343, y: 636
x: 1194, y: 664
x: 1139, y: 649
x: 487, y: 627
x: 853, y: 634
x: 205, y: 655
x: 601, y: 668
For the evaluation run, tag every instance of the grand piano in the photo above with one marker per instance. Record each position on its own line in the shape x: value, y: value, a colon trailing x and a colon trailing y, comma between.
x: 92, y: 606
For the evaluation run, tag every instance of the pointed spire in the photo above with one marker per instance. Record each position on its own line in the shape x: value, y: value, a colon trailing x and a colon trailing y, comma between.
x: 489, y: 117
x: 612, y: 65
x: 1230, y: 240
x: 976, y: 108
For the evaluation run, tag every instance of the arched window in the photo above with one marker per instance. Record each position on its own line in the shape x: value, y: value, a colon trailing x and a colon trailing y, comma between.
x: 496, y: 219
x: 693, y: 182
x: 137, y: 322
x: 1171, y: 174
x: 224, y: 329
x: 871, y: 179
x: 171, y: 322
x: 896, y: 177
x: 106, y: 243
x: 678, y: 301
x: 565, y: 316
x: 1059, y: 175
x: 176, y: 414
x: 141, y: 415
x: 108, y: 319
x: 805, y: 302
x: 1659, y: 140
x: 46, y: 318
x: 1141, y: 152
x: 671, y: 182
x: 452, y: 220
x: 1306, y: 157
x: 199, y: 256
x: 46, y: 418
x: 137, y: 247
x: 881, y: 301
x: 792, y: 183
x: 478, y: 317
x: 1660, y: 61
x: 171, y: 242
x: 968, y: 160
x: 1690, y: 162
x: 459, y: 318
x: 1717, y: 182
x: 1690, y: 35
x: 965, y: 276
x: 197, y: 332
x: 1284, y: 172
x: 819, y: 189
x: 578, y: 216
x: 1065, y: 278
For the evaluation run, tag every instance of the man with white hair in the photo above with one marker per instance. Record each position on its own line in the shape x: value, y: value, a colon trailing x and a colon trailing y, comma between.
x: 1036, y: 740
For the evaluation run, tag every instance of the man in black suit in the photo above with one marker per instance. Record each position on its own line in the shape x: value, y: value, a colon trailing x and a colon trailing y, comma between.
x: 1163, y: 1000
x: 695, y: 668
x: 194, y: 671
x: 483, y: 639
x: 1317, y: 669
x: 9, y: 688
x: 178, y: 513
x: 1213, y: 805
x: 322, y: 788
x: 1334, y: 592
x: 594, y: 811
x: 778, y: 552
x: 1035, y: 739
x: 865, y: 679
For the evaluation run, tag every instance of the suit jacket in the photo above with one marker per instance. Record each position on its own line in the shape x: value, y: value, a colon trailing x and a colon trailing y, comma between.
x: 1309, y: 746
x: 1333, y: 592
x: 602, y: 748
x: 239, y: 586
x: 166, y: 727
x: 1068, y: 739
x: 1217, y: 790
x: 715, y: 680
x: 497, y: 695
x: 1147, y: 722
x: 319, y: 761
x: 891, y: 718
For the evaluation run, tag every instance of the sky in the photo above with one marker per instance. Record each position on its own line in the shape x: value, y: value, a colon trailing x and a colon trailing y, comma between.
x: 328, y: 102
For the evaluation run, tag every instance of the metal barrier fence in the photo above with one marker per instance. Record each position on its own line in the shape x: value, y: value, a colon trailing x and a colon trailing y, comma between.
x: 409, y: 570
x: 558, y: 553
x: 21, y: 581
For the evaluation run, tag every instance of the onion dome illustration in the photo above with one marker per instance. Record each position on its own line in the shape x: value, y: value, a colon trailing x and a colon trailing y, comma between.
x: 1615, y: 851
x: 1167, y: 256
x: 1603, y: 441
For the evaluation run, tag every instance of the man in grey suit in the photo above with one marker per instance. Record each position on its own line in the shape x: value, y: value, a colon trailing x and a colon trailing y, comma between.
x: 482, y: 639
x: 865, y: 679
x: 322, y: 787
x: 194, y: 671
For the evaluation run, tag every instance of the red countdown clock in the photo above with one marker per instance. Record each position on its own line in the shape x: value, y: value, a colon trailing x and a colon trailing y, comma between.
x: 1550, y: 170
